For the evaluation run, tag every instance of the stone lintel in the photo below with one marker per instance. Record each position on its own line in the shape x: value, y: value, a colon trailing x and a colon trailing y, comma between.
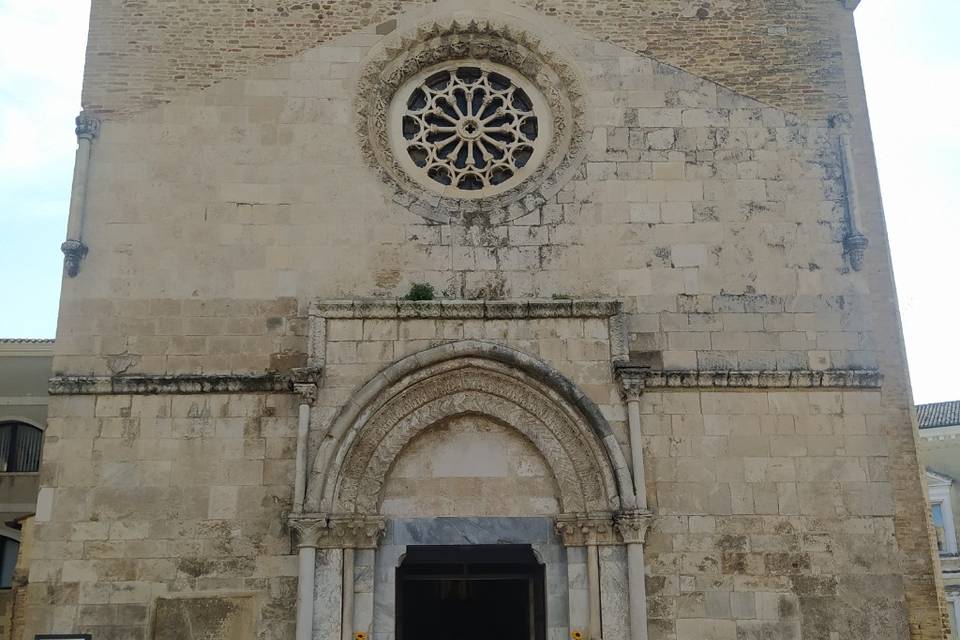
x: 147, y: 384
x: 337, y: 531
x: 735, y: 379
x: 466, y: 309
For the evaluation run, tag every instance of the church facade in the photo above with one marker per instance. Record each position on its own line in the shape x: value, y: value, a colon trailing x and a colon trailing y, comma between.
x: 535, y: 319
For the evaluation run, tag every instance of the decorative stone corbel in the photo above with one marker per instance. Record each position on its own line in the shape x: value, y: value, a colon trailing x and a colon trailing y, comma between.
x: 633, y: 526
x: 74, y: 250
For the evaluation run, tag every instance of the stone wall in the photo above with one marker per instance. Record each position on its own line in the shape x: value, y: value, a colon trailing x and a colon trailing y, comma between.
x: 228, y: 190
x: 785, y: 53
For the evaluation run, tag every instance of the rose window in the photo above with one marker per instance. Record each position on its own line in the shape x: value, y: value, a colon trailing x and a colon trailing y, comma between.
x: 469, y: 130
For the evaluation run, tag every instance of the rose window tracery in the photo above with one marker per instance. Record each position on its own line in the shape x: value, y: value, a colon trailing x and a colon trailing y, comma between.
x: 468, y: 130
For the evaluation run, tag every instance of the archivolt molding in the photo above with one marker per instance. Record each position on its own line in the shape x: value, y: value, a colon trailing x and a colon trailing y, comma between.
x: 352, y: 465
x: 436, y: 42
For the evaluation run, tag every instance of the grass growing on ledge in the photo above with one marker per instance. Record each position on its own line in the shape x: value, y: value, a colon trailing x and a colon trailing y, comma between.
x: 420, y: 291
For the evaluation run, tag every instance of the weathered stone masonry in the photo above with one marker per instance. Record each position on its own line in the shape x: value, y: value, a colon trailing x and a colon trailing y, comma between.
x: 696, y: 290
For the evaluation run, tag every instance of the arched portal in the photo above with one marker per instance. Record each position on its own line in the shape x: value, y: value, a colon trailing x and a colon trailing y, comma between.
x: 470, y: 378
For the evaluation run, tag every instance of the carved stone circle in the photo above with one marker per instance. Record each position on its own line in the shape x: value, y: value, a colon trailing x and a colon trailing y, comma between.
x: 436, y: 44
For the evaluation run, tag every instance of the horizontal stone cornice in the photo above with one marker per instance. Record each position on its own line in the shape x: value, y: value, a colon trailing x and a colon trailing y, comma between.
x: 736, y: 379
x: 472, y: 309
x: 147, y: 384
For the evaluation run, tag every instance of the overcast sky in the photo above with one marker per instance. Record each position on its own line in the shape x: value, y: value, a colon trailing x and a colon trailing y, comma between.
x: 911, y: 59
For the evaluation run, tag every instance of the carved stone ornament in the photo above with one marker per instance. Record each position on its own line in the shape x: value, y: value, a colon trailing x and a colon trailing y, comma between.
x: 88, y: 127
x: 633, y: 526
x: 580, y: 530
x: 337, y: 531
x: 306, y: 382
x: 632, y: 379
x: 555, y: 98
x: 854, y: 246
x: 73, y: 252
x: 470, y: 129
x: 603, y: 529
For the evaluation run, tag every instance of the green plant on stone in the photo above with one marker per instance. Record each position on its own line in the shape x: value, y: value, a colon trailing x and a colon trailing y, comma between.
x: 420, y: 291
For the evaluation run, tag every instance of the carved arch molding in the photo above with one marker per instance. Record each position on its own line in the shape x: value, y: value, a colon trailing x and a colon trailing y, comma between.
x: 352, y: 465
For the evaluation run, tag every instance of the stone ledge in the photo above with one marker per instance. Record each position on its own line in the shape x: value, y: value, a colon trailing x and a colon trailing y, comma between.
x: 517, y: 309
x: 733, y: 379
x: 170, y: 384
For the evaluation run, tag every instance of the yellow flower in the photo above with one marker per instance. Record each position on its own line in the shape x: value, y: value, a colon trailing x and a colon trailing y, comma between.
x: 359, y: 635
x: 577, y: 635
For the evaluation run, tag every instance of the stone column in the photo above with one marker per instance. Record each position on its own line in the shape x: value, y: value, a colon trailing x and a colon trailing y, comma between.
x: 342, y: 531
x: 73, y: 247
x: 589, y: 531
x: 631, y: 388
x: 633, y: 526
x: 346, y: 618
x: 305, y: 384
x: 308, y: 531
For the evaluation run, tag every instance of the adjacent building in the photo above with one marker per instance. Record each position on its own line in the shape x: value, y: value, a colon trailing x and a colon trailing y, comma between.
x: 530, y: 319
x: 939, y: 447
x: 25, y: 367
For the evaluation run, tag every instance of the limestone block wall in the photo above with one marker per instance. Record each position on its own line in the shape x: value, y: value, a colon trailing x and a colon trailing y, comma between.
x: 228, y: 190
x: 796, y: 515
x: 718, y: 219
x: 152, y: 496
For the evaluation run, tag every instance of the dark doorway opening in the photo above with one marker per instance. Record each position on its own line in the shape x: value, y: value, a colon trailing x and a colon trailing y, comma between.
x: 470, y: 592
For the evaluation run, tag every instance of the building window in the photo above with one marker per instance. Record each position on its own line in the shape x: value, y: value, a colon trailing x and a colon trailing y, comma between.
x: 941, y: 512
x: 20, y: 445
x: 9, y: 548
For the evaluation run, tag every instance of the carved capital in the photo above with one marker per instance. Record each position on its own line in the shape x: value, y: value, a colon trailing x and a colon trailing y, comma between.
x: 73, y: 252
x: 305, y: 382
x: 88, y: 127
x: 633, y: 526
x: 855, y: 245
x: 632, y: 379
x: 308, y: 528
x: 356, y: 531
x: 341, y: 531
x: 307, y: 393
x: 579, y: 530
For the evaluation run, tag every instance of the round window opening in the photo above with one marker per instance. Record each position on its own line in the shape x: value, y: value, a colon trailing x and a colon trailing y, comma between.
x: 470, y: 129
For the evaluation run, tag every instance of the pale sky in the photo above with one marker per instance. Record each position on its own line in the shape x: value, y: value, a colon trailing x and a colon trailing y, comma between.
x: 911, y: 60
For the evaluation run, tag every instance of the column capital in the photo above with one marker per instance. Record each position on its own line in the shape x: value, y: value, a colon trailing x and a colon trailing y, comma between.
x: 337, y: 531
x: 631, y: 378
x: 88, y: 126
x: 306, y: 382
x: 582, y: 529
x: 308, y: 527
x: 633, y: 526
